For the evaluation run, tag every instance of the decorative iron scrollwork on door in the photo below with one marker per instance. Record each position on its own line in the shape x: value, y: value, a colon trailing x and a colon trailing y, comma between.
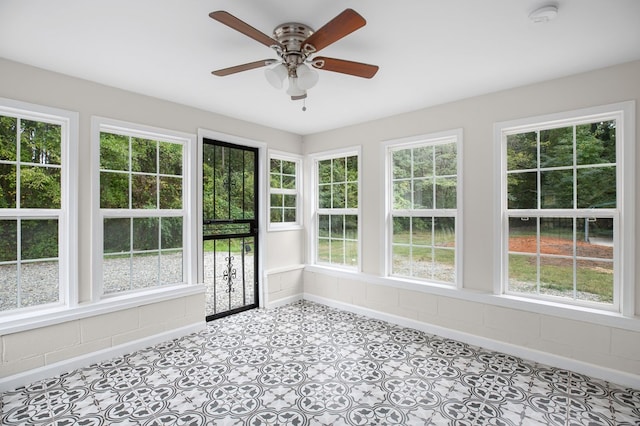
x: 229, y: 274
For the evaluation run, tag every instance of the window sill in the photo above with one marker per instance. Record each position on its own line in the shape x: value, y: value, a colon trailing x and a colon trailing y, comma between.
x: 46, y: 317
x: 543, y: 307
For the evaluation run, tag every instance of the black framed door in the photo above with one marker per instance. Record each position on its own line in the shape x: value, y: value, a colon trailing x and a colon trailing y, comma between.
x: 230, y: 227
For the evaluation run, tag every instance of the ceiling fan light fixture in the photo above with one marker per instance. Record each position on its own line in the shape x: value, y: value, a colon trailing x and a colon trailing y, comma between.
x: 294, y: 90
x: 307, y: 77
x: 276, y: 75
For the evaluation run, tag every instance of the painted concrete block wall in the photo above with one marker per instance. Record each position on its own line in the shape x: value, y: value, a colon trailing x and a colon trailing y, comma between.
x: 40, y: 347
x: 475, y: 312
x: 284, y: 286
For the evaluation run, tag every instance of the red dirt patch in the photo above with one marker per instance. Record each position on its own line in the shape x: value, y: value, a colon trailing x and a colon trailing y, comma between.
x: 560, y: 246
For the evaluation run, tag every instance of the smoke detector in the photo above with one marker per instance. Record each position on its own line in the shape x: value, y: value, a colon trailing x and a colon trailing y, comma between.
x: 544, y: 14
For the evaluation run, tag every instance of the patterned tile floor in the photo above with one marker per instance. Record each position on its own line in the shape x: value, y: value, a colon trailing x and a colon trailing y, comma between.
x: 307, y: 364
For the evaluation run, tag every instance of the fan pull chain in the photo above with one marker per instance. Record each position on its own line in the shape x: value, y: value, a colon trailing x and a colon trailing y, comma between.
x: 304, y: 105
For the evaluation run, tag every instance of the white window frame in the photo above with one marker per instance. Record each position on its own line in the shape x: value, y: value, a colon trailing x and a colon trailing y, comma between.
x: 431, y: 139
x: 297, y: 159
x: 67, y: 214
x: 189, y: 266
x: 316, y: 211
x: 623, y: 216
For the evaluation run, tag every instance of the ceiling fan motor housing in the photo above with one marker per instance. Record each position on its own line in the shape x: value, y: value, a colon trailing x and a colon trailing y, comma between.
x: 291, y: 35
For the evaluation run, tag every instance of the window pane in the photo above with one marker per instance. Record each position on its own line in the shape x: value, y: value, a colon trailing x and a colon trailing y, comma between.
x: 288, y: 167
x: 40, y: 187
x: 522, y: 192
x: 556, y: 189
x: 8, y: 240
x: 324, y: 171
x: 289, y: 200
x: 401, y: 163
x: 423, y: 194
x: 144, y: 155
x: 116, y: 274
x: 595, y: 238
x: 39, y: 283
x: 352, y: 195
x: 523, y: 275
x: 275, y: 167
x: 556, y: 147
x: 323, y: 225
x: 556, y: 276
x: 523, y: 235
x: 7, y: 186
x: 40, y: 142
x: 339, y: 171
x: 275, y: 180
x: 401, y: 260
x: 171, y: 267
x: 39, y: 239
x: 171, y: 232
x: 117, y: 235
x: 352, y: 168
x: 446, y: 159
x: 422, y: 161
x: 114, y: 190
x: 114, y: 152
x: 8, y: 287
x: 337, y: 226
x: 324, y: 196
x: 351, y: 227
x: 277, y: 200
x: 289, y: 215
x: 594, y: 281
x: 145, y: 270
x: 597, y: 188
x: 337, y: 251
x: 339, y: 195
x: 446, y: 190
x: 402, y: 195
x: 421, y: 263
x: 522, y: 151
x: 145, y: 233
x: 556, y: 236
x: 401, y: 229
x: 422, y: 231
x: 8, y: 138
x: 323, y: 250
x: 170, y: 192
x: 351, y: 253
x: 445, y: 232
x: 288, y: 182
x: 170, y: 158
x: 596, y: 143
x: 444, y: 265
x: 276, y: 215
x: 144, y: 193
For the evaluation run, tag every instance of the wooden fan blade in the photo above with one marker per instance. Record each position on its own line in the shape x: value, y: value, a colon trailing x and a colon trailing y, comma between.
x: 340, y: 26
x: 241, y: 26
x: 243, y: 67
x: 357, y: 69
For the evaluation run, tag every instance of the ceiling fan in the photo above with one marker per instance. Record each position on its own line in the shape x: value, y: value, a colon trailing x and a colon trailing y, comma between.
x: 295, y: 43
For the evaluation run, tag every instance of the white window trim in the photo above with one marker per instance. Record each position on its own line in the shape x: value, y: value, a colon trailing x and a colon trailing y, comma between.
x: 99, y: 124
x: 625, y: 156
x: 312, y: 247
x: 67, y: 215
x: 410, y: 142
x: 298, y: 160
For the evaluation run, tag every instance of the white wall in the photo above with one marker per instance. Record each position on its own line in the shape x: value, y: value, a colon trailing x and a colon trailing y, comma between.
x: 602, y: 341
x: 37, y: 348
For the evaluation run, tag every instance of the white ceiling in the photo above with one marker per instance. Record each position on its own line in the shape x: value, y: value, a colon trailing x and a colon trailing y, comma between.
x: 429, y: 51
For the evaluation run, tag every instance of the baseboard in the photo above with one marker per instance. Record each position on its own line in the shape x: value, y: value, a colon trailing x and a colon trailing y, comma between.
x: 284, y: 301
x: 602, y: 373
x: 52, y: 370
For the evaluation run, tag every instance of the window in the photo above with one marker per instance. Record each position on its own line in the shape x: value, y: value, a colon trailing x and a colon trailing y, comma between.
x: 143, y: 205
x: 563, y: 191
x: 284, y: 191
x: 424, y: 187
x: 337, y: 211
x: 37, y: 213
